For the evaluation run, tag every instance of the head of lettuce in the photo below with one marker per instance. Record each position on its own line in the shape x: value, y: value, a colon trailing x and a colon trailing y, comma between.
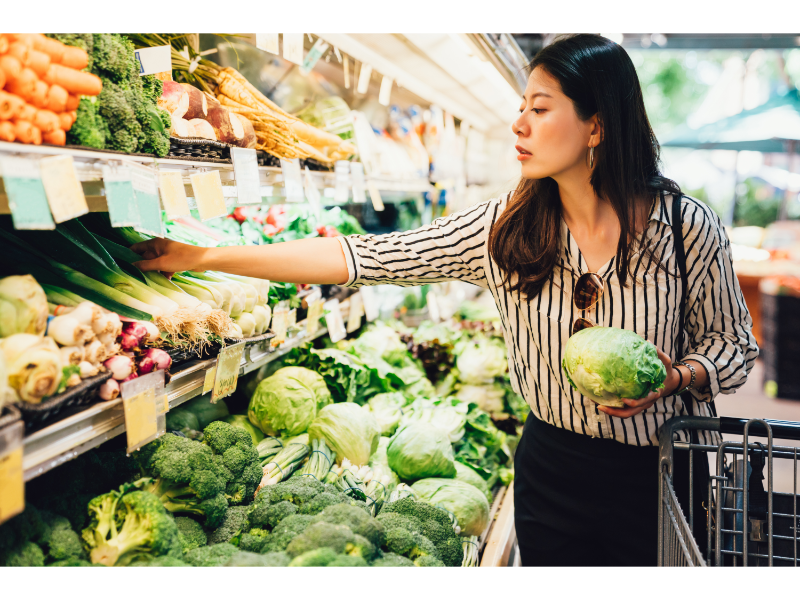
x: 606, y: 364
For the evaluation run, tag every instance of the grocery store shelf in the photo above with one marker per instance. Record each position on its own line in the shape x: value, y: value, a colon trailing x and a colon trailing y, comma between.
x: 64, y: 440
x: 501, y: 538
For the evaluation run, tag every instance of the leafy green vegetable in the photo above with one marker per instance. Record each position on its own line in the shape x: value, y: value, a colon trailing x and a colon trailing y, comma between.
x: 421, y: 450
x: 606, y: 364
x: 468, y: 475
x: 387, y: 408
x: 349, y: 430
x: 287, y: 402
x: 480, y: 360
x: 243, y: 422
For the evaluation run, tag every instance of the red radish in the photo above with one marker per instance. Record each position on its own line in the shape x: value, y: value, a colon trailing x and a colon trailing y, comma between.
x: 203, y: 129
x: 129, y: 377
x: 162, y: 360
x: 109, y: 390
x: 120, y: 366
x: 135, y: 329
x: 198, y: 103
x: 128, y: 342
x: 174, y: 99
x: 153, y: 333
x: 145, y: 366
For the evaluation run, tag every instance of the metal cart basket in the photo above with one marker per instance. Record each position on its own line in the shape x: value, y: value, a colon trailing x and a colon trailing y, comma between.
x: 736, y: 496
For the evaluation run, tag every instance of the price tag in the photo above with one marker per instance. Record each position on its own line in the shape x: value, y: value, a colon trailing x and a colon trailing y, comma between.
x: 433, y: 307
x: 314, y: 314
x: 291, y: 320
x: 145, y: 188
x: 268, y: 42
x: 375, y: 195
x: 26, y: 197
x: 12, y: 484
x: 342, y: 191
x: 312, y: 192
x: 228, y: 363
x: 64, y: 191
x: 293, y: 47
x: 123, y: 211
x: 346, y: 67
x: 245, y: 170
x: 319, y: 48
x: 357, y: 174
x: 355, y: 313
x: 143, y: 402
x: 173, y: 193
x: 280, y: 319
x: 207, y: 190
x: 385, y: 94
x: 370, y: 301
x: 208, y: 382
x: 292, y: 180
x: 157, y: 59
x: 363, y: 78
x: 334, y: 321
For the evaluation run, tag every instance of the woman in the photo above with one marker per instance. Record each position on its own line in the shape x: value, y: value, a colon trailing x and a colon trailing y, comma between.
x: 591, y: 201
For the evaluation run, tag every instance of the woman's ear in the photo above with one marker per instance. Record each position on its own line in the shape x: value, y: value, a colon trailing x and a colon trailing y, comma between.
x: 597, y: 132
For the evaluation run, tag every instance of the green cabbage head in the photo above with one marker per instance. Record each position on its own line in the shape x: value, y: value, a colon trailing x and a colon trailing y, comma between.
x: 464, y: 500
x: 419, y: 450
x: 287, y: 402
x: 606, y: 364
x: 349, y: 429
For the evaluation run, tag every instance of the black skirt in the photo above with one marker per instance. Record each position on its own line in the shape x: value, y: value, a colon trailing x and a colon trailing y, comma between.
x: 584, y: 501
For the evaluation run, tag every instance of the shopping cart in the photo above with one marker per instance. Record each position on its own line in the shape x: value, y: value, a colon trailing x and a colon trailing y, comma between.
x: 736, y: 496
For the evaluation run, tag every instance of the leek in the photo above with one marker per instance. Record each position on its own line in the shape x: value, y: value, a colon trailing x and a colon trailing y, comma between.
x: 199, y: 290
x: 58, y: 295
x: 261, y: 285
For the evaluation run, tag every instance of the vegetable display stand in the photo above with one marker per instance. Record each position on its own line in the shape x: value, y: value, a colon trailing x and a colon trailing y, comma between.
x: 781, y: 345
x: 199, y: 149
x: 82, y: 394
x: 500, y: 549
x: 9, y: 415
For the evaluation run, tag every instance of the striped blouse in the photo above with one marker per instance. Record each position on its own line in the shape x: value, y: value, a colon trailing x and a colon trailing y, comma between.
x: 718, y: 324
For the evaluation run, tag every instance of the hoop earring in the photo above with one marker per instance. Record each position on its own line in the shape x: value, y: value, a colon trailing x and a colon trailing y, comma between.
x: 591, y: 157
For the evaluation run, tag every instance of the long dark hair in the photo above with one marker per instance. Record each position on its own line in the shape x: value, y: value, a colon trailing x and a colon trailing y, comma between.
x: 600, y: 79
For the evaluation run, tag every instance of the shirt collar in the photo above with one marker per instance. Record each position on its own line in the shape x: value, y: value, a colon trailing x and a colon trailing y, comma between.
x: 661, y: 209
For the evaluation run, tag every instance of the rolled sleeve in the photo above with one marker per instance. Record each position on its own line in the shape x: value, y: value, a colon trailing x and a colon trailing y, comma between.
x: 349, y: 258
x: 719, y: 325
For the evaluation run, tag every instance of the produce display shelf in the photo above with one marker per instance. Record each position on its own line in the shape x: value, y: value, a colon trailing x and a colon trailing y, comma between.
x: 499, y: 542
x: 89, y: 164
x: 62, y: 441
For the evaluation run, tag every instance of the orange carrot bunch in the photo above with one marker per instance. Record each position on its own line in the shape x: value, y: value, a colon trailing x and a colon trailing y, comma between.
x: 41, y: 83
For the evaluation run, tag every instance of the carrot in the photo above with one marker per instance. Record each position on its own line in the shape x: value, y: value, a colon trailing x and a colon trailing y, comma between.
x: 23, y: 86
x: 11, y: 67
x: 37, y: 136
x: 47, y: 121
x: 26, y: 113
x: 24, y: 132
x: 72, y: 101
x: 75, y: 58
x: 10, y: 106
x: 2, y: 79
x: 39, y: 62
x: 53, y: 48
x: 57, y: 137
x: 39, y: 97
x: 3, y: 44
x: 19, y: 51
x: 75, y: 82
x: 56, y: 99
x: 7, y: 131
x: 66, y: 119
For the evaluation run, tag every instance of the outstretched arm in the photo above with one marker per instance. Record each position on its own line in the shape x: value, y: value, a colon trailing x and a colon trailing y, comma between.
x: 317, y: 260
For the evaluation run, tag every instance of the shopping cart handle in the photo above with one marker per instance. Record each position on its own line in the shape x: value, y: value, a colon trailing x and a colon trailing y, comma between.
x: 787, y: 430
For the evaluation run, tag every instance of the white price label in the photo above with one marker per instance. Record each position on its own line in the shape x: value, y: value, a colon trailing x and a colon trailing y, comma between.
x: 334, y: 321
x: 355, y: 313
x: 207, y: 189
x: 319, y: 48
x: 363, y: 78
x: 280, y: 322
x: 313, y: 316
x: 173, y: 193
x: 268, y: 42
x: 154, y: 60
x: 292, y: 180
x: 312, y: 192
x: 64, y: 191
x: 385, y: 95
x: 375, y: 195
x: 370, y: 301
x: 433, y: 307
x: 293, y: 47
x: 357, y: 175
x: 342, y: 190
x: 245, y: 170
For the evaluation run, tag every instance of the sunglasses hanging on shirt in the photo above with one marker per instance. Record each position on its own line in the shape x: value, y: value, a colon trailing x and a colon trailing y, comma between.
x: 587, y: 293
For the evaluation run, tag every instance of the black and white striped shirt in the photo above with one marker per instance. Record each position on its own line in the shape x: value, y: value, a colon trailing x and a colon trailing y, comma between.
x: 718, y: 324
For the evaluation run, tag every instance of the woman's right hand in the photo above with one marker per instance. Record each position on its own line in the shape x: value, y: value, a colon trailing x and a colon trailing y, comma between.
x: 168, y: 256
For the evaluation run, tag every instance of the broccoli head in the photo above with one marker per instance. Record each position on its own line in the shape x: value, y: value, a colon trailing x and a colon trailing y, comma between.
x: 26, y: 555
x: 345, y: 560
x: 211, y: 556
x: 427, y: 520
x: 28, y: 526
x: 428, y: 561
x: 285, y: 532
x: 239, y: 458
x: 409, y: 544
x: 322, y: 535
x: 308, y: 495
x: 250, y: 559
x: 161, y: 561
x: 190, y: 533
x: 277, y: 559
x: 319, y: 557
x: 322, y: 501
x: 73, y: 563
x: 254, y: 540
x: 358, y: 520
x: 64, y: 544
x: 234, y: 523
x: 139, y: 526
x: 390, y: 559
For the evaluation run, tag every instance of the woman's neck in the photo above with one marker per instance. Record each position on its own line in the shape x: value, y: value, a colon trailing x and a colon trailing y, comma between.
x: 582, y: 209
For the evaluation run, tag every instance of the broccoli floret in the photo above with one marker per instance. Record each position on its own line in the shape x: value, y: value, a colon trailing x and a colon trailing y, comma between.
x: 428, y: 561
x: 190, y: 533
x: 28, y: 526
x: 138, y: 526
x: 161, y: 561
x: 390, y: 559
x: 362, y: 547
x: 358, y: 520
x: 248, y: 559
x: 239, y: 457
x: 306, y: 493
x: 211, y: 556
x: 322, y: 535
x: 427, y: 520
x: 64, y: 544
x: 89, y: 129
x: 345, y: 560
x: 278, y: 512
x: 233, y: 524
x: 187, y: 478
x: 285, y: 532
x: 254, y: 540
x: 73, y: 563
x: 322, y: 501
x: 277, y: 559
x: 26, y: 555
x: 319, y: 557
x: 409, y: 544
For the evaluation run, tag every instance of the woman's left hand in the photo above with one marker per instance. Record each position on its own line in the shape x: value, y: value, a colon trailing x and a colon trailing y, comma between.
x: 636, y: 406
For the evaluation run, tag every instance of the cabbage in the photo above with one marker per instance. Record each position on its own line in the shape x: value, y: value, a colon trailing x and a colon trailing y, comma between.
x: 489, y: 398
x: 379, y: 463
x: 480, y: 361
x: 287, y: 402
x: 465, y: 501
x: 381, y: 341
x: 422, y: 388
x: 606, y: 364
x: 387, y: 409
x: 348, y: 429
x: 421, y: 450
x: 23, y: 306
x: 243, y: 422
x: 468, y: 475
x: 448, y: 416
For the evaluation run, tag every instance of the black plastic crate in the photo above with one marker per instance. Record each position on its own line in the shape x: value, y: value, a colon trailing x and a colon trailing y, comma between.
x: 780, y: 345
